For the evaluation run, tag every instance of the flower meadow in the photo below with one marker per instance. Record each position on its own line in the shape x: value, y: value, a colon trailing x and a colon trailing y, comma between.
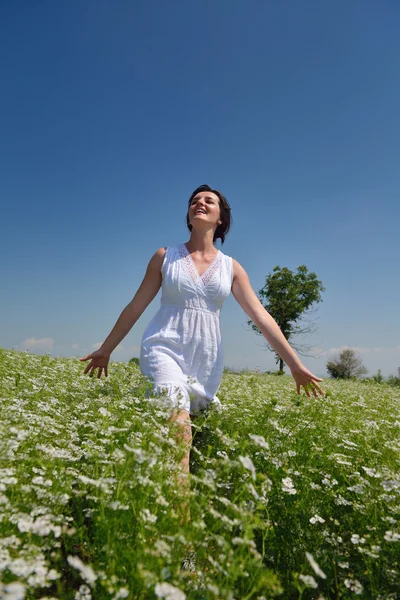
x: 290, y: 496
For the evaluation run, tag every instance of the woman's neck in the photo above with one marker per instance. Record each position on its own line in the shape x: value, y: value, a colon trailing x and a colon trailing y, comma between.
x: 201, y: 242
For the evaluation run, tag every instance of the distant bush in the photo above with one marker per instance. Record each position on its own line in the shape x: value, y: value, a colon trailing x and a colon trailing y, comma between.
x: 393, y: 380
x: 378, y: 377
x: 347, y: 366
x: 134, y: 360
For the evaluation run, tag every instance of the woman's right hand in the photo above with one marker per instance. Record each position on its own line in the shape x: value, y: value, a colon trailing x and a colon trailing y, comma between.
x: 99, y: 360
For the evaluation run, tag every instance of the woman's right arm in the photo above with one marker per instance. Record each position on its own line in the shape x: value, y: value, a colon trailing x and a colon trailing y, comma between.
x: 146, y: 292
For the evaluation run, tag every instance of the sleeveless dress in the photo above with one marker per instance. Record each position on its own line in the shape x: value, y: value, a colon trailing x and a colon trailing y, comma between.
x: 181, y: 349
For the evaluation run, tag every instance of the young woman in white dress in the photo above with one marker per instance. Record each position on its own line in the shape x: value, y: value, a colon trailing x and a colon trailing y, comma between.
x: 182, y: 348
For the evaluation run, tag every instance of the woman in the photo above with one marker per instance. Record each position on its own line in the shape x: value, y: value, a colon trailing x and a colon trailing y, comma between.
x: 181, y: 347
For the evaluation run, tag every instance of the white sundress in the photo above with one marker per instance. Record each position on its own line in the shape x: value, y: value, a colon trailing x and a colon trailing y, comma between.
x: 181, y: 349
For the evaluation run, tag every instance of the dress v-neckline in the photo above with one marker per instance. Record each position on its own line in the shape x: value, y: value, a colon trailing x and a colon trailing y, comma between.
x: 192, y: 266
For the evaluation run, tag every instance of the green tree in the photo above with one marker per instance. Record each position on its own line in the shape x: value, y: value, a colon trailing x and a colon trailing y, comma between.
x: 289, y: 297
x: 134, y: 360
x: 378, y: 377
x: 347, y: 365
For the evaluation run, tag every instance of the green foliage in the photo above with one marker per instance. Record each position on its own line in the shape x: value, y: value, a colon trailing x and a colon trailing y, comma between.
x: 282, y: 488
x: 135, y: 361
x: 393, y: 380
x: 347, y: 366
x: 378, y: 377
x: 287, y: 296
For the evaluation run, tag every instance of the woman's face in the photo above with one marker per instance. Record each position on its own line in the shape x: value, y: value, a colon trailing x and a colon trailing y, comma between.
x: 205, y: 208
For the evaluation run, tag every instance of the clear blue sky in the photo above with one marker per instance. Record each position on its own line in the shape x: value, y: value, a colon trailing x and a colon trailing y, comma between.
x: 111, y: 113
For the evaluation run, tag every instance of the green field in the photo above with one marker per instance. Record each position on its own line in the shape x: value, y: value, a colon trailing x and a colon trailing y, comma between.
x: 290, y: 496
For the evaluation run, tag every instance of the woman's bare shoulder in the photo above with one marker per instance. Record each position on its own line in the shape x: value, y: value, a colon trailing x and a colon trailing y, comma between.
x: 157, y: 259
x: 238, y: 269
x: 161, y: 252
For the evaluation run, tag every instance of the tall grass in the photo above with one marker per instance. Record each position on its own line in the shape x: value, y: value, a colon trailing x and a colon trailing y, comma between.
x: 290, y: 496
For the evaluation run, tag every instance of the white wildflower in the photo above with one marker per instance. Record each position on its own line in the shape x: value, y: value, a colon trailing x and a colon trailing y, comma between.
x: 116, y: 505
x: 83, y: 593
x: 24, y: 523
x: 122, y: 593
x: 317, y: 569
x: 329, y: 482
x: 169, y: 592
x: 214, y: 589
x: 253, y: 491
x: 343, y: 565
x: 86, y: 571
x: 372, y: 472
x: 163, y: 548
x: 287, y: 486
x: 389, y: 520
x: 266, y: 487
x: 340, y: 461
x: 259, y: 440
x: 315, y: 486
x: 390, y: 484
x: 349, y: 444
x: 161, y: 500
x: 21, y: 567
x: 103, y: 411
x: 358, y: 488
x: 248, y: 464
x: 13, y: 591
x: 356, y: 539
x: 237, y: 541
x: 42, y: 481
x: 309, y: 581
x: 354, y: 586
x: 392, y: 537
x: 222, y: 454
x: 316, y: 518
x: 277, y: 426
x: 9, y: 480
x: 148, y: 516
x: 342, y: 501
x: 118, y: 455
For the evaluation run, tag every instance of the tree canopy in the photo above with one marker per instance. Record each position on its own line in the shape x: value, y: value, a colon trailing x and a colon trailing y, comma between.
x: 288, y: 296
x: 347, y: 365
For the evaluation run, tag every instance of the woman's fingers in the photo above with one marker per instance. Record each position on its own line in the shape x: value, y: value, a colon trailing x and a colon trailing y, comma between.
x: 315, y: 385
x: 87, y: 357
x: 311, y: 385
x: 308, y: 386
x: 89, y: 366
x: 92, y: 368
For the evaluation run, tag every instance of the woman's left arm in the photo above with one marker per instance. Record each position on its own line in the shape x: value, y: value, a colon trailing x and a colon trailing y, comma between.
x: 246, y: 297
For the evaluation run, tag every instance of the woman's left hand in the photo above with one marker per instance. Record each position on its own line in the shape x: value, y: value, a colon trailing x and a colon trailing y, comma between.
x: 304, y: 377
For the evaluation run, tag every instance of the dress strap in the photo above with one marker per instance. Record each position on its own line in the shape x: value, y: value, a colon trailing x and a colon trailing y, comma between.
x: 229, y: 267
x: 166, y: 260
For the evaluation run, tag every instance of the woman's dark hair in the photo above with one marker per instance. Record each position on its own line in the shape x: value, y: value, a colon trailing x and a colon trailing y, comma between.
x: 225, y: 211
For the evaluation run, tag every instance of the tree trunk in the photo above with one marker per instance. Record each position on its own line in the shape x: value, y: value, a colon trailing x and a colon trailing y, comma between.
x: 280, y: 364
